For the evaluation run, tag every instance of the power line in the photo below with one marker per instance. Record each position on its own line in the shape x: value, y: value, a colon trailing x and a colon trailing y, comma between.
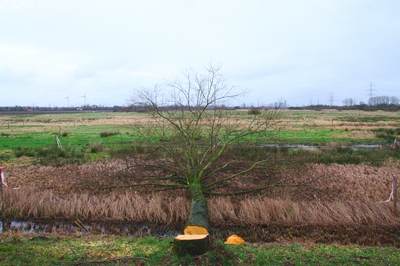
x: 371, y: 85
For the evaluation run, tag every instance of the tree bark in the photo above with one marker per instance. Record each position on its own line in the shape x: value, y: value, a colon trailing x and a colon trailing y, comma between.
x: 196, y: 240
x: 198, y: 215
x: 191, y: 245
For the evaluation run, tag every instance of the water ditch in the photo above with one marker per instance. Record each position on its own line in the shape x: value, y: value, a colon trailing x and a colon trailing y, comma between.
x: 96, y: 228
x: 354, y: 147
x: 369, y: 235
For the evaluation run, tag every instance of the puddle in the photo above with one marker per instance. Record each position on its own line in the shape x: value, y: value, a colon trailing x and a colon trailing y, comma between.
x: 315, y: 148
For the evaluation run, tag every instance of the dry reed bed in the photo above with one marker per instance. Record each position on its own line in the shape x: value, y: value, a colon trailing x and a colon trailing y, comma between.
x: 336, y: 182
x: 354, y: 182
x: 344, y: 194
x: 339, y: 183
x: 29, y: 203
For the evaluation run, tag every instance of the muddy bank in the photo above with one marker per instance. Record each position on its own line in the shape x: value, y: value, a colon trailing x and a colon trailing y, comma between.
x: 367, y: 235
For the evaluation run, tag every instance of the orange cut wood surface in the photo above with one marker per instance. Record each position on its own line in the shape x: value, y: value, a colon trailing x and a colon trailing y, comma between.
x: 195, y: 230
x: 190, y: 237
x: 234, y: 240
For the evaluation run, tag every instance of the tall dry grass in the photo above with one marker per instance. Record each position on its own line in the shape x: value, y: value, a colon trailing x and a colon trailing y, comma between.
x: 265, y: 211
x: 29, y: 203
x: 344, y: 194
x: 337, y: 182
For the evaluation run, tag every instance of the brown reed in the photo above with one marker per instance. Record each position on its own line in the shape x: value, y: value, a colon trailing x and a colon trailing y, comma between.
x: 343, y: 194
x: 155, y: 208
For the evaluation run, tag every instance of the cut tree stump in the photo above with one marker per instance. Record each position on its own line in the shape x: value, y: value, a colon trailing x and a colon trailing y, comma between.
x: 191, y: 244
x: 195, y: 241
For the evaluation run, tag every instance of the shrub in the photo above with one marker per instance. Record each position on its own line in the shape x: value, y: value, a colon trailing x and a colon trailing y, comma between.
x: 254, y: 111
x: 107, y: 134
x: 5, y: 156
x: 96, y: 147
x: 386, y: 134
x: 50, y: 155
x: 25, y: 152
x: 129, y: 150
x: 328, y: 155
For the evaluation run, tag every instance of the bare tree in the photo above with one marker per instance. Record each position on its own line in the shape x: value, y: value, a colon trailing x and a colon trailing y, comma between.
x: 191, y: 130
x: 349, y: 102
x: 394, y: 100
x: 383, y: 101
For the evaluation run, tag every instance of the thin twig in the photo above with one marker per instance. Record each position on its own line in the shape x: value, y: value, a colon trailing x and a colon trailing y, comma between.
x: 81, y: 225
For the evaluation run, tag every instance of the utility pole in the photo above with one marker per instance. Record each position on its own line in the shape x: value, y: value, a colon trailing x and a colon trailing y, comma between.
x: 331, y: 99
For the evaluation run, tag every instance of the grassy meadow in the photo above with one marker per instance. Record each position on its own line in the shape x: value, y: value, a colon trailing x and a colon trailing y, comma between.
x: 352, y: 166
x: 96, y: 136
x: 83, y: 130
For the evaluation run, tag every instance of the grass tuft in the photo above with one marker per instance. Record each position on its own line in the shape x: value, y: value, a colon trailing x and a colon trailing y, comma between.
x: 105, y: 134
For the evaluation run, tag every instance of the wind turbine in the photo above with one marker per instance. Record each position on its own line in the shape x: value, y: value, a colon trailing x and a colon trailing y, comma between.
x: 84, y: 99
x: 67, y: 99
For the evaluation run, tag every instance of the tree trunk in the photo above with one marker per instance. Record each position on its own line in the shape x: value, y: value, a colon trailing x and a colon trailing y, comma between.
x: 196, y: 240
x: 198, y: 215
x: 191, y: 245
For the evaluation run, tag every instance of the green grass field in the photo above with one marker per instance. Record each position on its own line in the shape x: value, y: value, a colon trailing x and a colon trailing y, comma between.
x: 91, y: 136
x: 295, y: 127
x: 109, y: 250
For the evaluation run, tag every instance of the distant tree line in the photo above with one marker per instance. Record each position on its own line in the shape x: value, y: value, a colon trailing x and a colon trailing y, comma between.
x: 390, y: 103
x: 383, y: 101
x: 375, y: 101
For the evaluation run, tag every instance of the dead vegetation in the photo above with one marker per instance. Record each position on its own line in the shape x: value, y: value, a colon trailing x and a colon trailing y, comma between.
x: 346, y: 195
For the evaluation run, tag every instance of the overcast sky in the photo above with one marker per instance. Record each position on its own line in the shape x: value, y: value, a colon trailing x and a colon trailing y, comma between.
x: 300, y: 51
